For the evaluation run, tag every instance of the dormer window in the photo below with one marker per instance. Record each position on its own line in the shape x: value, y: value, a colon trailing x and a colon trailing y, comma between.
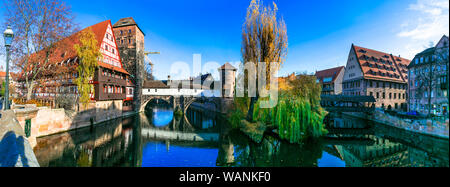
x: 362, y: 51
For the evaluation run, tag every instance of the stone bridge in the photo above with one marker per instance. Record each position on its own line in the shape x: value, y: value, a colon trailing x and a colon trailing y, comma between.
x: 181, y: 99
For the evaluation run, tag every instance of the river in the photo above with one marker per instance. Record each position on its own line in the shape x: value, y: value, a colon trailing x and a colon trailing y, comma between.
x: 157, y: 138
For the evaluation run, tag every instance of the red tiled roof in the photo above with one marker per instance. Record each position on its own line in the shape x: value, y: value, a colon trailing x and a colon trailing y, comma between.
x: 64, y: 49
x: 333, y: 72
x: 381, y: 66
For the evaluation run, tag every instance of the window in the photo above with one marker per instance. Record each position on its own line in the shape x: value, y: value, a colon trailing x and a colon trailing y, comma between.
x: 378, y: 95
x: 106, y: 47
x: 129, y: 30
x: 121, y: 32
x: 113, y: 51
x: 327, y: 79
x: 129, y: 41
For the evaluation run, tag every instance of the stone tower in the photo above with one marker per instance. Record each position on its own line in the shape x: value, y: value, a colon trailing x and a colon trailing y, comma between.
x: 130, y: 41
x: 228, y: 80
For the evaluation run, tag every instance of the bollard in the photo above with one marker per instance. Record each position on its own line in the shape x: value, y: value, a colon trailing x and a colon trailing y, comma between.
x: 28, y: 128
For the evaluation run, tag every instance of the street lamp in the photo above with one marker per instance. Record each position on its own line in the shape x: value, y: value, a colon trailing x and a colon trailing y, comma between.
x: 8, y: 35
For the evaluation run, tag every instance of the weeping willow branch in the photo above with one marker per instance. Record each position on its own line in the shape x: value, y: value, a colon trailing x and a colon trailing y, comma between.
x: 89, y: 53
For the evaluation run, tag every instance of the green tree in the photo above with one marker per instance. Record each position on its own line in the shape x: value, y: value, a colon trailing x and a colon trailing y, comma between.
x: 2, y: 91
x: 89, y: 54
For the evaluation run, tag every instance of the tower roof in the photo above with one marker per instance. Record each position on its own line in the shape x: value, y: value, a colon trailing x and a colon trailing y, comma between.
x: 129, y: 21
x: 227, y: 66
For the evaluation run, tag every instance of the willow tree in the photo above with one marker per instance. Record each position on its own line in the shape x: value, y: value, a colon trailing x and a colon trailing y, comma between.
x: 264, y: 39
x: 88, y: 52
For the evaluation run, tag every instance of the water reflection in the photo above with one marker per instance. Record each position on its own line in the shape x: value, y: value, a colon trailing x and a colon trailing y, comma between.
x: 202, y: 139
x: 161, y: 114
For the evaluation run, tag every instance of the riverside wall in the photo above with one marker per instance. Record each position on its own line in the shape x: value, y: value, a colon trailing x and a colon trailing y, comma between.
x: 46, y: 121
x: 15, y: 149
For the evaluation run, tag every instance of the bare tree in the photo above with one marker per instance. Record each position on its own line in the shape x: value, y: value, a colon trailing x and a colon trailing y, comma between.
x: 38, y: 26
x: 264, y: 39
x: 429, y: 74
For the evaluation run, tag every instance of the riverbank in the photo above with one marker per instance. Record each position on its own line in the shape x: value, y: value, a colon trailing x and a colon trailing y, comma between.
x: 45, y: 121
x: 385, y: 119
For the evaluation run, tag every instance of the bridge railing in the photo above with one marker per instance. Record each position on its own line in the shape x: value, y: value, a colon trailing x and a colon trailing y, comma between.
x: 181, y: 92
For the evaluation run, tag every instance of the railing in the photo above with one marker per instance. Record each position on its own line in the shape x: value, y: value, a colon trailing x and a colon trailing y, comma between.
x: 181, y: 92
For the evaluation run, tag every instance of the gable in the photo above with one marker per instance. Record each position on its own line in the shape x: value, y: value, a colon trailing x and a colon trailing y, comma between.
x: 353, y: 69
x: 109, y: 49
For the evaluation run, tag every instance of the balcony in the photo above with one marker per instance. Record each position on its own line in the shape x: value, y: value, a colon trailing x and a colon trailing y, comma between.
x: 327, y: 89
x: 111, y: 96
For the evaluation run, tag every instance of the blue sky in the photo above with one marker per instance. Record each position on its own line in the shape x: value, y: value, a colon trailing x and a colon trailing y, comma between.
x: 320, y: 32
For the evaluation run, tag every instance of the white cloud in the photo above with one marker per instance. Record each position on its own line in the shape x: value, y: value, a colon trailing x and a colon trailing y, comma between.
x: 430, y: 20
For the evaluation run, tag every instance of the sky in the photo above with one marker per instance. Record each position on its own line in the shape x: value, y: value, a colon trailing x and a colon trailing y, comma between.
x: 320, y: 32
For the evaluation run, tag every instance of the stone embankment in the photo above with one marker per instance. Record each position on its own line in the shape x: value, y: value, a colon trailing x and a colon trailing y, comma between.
x: 15, y: 150
x: 46, y: 121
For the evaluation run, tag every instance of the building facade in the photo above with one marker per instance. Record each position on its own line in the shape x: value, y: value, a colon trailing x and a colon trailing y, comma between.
x: 131, y: 43
x: 108, y: 83
x: 428, y: 80
x: 331, y: 80
x: 381, y: 75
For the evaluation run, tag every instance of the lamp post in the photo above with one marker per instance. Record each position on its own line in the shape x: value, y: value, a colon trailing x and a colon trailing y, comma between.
x: 8, y: 35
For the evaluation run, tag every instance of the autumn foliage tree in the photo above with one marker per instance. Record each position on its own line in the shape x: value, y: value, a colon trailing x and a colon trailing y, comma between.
x: 38, y: 26
x: 89, y: 54
x: 264, y: 39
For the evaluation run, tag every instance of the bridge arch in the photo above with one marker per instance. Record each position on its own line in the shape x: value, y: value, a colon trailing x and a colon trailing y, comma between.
x: 190, y: 100
x: 169, y: 99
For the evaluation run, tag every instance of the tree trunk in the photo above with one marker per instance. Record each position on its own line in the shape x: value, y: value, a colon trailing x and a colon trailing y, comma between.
x: 253, y: 101
x: 30, y: 90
